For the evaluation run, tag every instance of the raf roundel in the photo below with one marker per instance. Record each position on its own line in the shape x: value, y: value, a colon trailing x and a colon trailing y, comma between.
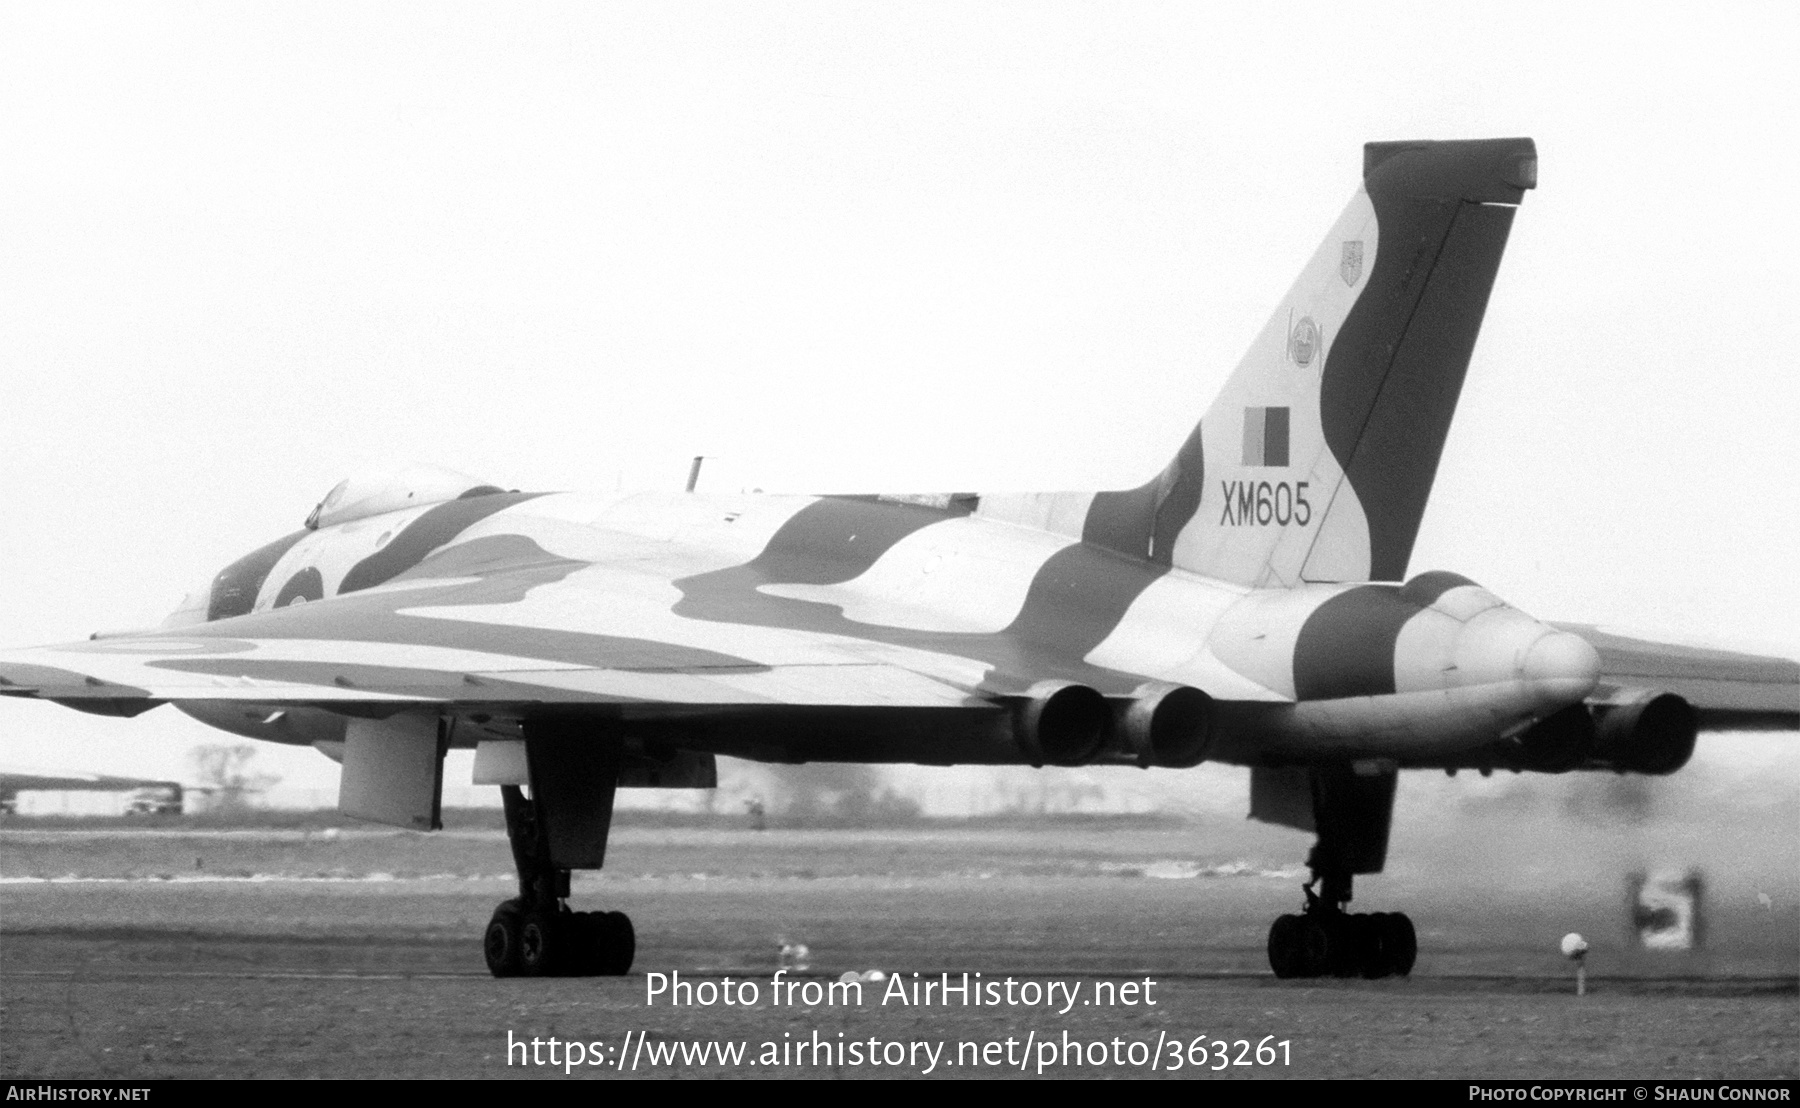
x: 1303, y: 344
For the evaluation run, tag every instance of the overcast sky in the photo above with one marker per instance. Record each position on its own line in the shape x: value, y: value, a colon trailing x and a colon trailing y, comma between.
x: 247, y: 248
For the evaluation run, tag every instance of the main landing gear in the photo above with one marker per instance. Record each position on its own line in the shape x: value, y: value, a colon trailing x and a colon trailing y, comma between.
x: 1326, y: 941
x: 535, y: 934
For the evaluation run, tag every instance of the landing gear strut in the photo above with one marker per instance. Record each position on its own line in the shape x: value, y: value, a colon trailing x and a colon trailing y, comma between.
x: 536, y: 934
x: 1324, y: 940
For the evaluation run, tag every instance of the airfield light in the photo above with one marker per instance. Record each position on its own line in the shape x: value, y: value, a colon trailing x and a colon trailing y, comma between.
x: 1575, y: 949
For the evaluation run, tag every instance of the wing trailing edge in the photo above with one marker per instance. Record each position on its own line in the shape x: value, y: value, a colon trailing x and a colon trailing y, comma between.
x: 1729, y: 691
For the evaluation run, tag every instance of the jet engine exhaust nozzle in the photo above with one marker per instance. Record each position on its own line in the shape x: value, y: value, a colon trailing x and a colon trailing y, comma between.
x: 1648, y: 734
x: 1167, y: 725
x: 1061, y: 724
x: 1643, y: 732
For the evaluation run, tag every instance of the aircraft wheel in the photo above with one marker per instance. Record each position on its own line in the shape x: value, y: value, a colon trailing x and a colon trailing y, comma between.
x: 1371, y: 941
x: 1347, y: 945
x: 576, y: 952
x: 1314, y: 940
x: 616, y: 943
x: 500, y: 944
x: 541, y: 938
x: 1285, y: 955
x: 1400, y: 943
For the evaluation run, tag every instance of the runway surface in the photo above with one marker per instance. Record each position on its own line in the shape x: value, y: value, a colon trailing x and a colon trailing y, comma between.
x: 278, y: 954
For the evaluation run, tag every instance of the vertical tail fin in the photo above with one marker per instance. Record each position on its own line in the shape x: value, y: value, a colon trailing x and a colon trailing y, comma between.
x: 1315, y: 460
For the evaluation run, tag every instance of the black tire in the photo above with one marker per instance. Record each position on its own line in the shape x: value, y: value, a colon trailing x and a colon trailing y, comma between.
x: 541, y: 939
x: 1314, y: 940
x: 1284, y: 947
x: 576, y: 937
x: 1346, y: 945
x: 616, y: 943
x: 500, y: 943
x: 1371, y: 936
x: 1400, y: 943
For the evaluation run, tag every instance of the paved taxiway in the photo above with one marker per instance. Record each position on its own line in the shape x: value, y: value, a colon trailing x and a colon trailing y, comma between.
x: 273, y: 955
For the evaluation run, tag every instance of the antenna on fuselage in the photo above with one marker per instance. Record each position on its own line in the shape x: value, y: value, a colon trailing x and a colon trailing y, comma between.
x: 694, y: 472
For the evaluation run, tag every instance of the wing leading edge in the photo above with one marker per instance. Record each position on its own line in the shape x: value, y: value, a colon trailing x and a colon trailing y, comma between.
x: 388, y: 646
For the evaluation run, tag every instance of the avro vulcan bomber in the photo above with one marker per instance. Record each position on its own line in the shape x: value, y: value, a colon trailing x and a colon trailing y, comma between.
x: 1249, y: 604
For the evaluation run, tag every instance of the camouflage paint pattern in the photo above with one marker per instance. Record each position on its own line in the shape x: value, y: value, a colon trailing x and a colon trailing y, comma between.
x: 1262, y: 566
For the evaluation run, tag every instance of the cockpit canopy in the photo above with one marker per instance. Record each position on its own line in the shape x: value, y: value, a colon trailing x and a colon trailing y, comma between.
x: 389, y: 490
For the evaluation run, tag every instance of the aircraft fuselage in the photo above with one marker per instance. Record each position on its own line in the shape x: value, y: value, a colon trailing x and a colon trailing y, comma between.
x: 750, y: 589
